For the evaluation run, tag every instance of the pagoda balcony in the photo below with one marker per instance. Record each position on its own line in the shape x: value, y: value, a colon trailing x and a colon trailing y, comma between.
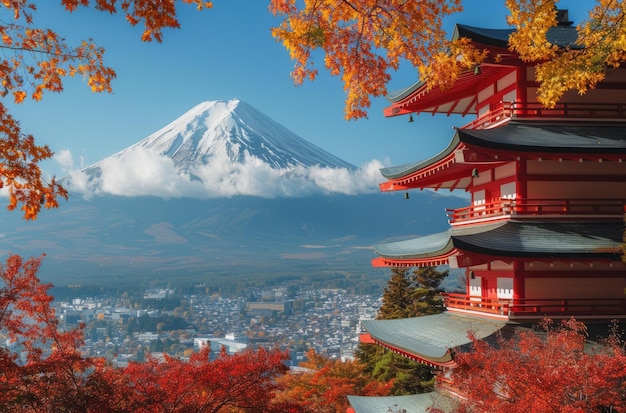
x: 504, y: 112
x: 536, y: 308
x: 533, y: 208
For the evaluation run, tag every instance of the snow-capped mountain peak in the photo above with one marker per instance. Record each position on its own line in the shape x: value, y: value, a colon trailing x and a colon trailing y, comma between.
x: 221, y: 149
x: 233, y: 132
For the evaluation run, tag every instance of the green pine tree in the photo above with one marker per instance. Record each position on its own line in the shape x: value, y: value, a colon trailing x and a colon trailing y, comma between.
x: 397, y: 298
x: 408, y: 294
x: 426, y: 295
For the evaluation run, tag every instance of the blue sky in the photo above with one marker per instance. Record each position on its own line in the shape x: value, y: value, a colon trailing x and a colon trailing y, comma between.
x: 218, y: 54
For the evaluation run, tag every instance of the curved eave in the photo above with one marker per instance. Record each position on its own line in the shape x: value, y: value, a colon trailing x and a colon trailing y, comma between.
x: 440, y: 171
x: 498, y: 38
x: 457, y: 99
x: 566, y: 240
x: 451, y: 176
x: 443, y: 158
x: 439, y: 244
x: 483, y: 36
x: 400, y: 95
x: 429, y: 339
x: 486, y: 148
x: 439, y: 362
x: 563, y: 35
x: 549, y: 138
x: 507, y: 240
x: 460, y: 97
x: 432, y: 261
x: 428, y: 251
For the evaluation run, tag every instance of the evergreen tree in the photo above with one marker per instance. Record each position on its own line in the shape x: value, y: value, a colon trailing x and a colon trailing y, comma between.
x: 412, y: 294
x: 425, y: 294
x: 397, y: 298
x: 408, y: 294
x: 409, y: 377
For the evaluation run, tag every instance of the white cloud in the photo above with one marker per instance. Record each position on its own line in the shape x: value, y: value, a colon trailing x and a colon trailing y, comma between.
x: 65, y: 159
x: 143, y: 172
x: 78, y: 182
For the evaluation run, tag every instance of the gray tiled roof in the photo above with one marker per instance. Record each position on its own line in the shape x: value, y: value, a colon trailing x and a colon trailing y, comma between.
x: 398, y: 171
x: 394, y: 172
x: 516, y: 239
x: 426, y: 246
x: 531, y: 137
x: 431, y: 337
x: 400, y: 94
x: 416, y: 403
x: 491, y: 37
x: 550, y: 137
x: 537, y: 239
x: 562, y: 36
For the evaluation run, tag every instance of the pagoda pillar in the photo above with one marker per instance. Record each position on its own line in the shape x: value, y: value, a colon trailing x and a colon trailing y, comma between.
x: 519, y: 281
x: 521, y: 185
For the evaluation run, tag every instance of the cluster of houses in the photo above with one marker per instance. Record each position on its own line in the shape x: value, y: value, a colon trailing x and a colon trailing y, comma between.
x: 325, y: 320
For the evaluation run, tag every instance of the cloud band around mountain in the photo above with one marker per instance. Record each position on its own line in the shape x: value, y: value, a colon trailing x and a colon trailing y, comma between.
x: 142, y: 172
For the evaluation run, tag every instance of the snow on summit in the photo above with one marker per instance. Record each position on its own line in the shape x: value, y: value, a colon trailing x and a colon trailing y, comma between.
x: 222, y: 149
x: 234, y: 131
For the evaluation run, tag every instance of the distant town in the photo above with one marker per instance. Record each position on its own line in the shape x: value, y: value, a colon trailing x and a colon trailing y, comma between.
x: 128, y: 328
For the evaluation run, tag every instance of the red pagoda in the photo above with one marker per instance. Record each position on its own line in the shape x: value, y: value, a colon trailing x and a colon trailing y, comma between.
x: 542, y: 231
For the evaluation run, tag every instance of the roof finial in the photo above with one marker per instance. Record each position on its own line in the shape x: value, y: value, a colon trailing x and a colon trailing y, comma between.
x: 562, y: 17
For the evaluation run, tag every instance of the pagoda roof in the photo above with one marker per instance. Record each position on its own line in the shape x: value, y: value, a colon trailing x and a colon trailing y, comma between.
x: 430, y: 339
x: 439, y: 244
x: 414, y: 403
x: 399, y: 171
x: 550, y: 137
x: 510, y: 141
x: 510, y: 239
x: 561, y: 35
x: 460, y: 98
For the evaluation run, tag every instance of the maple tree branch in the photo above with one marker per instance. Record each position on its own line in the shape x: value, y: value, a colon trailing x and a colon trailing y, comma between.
x: 352, y: 6
x: 40, y: 51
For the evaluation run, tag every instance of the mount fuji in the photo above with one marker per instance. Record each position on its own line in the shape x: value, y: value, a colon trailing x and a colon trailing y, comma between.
x: 222, y: 190
x: 222, y: 149
x: 235, y: 132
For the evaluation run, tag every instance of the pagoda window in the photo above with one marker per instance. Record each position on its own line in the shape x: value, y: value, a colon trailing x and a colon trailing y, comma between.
x: 510, y: 97
x: 475, y: 287
x: 508, y: 190
x: 478, y: 202
x: 505, y: 288
x: 478, y: 197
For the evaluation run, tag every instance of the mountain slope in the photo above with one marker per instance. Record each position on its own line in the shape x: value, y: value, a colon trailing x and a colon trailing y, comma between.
x: 233, y: 131
x: 222, y: 149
